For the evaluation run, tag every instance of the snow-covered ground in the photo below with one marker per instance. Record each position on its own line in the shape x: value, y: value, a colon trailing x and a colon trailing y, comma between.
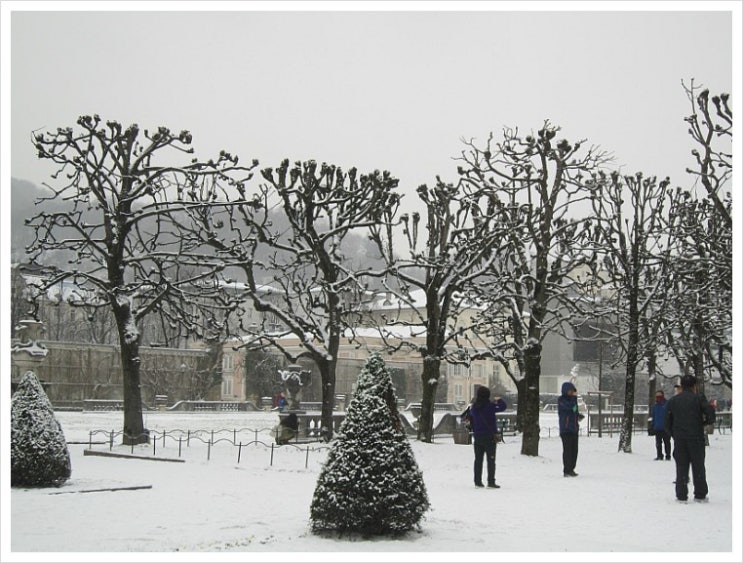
x: 214, y: 503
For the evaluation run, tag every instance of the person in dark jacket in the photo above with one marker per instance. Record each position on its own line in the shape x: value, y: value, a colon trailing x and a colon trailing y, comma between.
x: 662, y: 438
x: 568, y: 415
x: 484, y: 428
x: 686, y: 415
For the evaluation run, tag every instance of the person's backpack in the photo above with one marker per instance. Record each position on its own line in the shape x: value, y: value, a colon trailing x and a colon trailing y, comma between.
x: 467, y: 419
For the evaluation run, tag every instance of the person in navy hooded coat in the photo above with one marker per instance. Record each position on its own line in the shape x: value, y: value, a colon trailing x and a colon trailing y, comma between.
x: 482, y: 414
x: 568, y: 415
x: 662, y: 438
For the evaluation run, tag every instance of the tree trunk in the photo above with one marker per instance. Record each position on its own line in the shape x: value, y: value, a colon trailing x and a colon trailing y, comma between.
x: 530, y: 437
x: 652, y: 382
x: 697, y: 363
x: 521, y: 404
x: 698, y: 366
x: 129, y: 338
x: 429, y: 379
x: 327, y: 379
x: 625, y: 434
x: 134, y: 430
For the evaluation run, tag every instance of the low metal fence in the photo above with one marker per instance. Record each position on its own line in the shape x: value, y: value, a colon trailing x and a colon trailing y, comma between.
x: 163, y: 441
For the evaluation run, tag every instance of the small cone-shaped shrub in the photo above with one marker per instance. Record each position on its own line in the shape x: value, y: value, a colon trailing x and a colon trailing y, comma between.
x: 38, y: 451
x: 370, y: 483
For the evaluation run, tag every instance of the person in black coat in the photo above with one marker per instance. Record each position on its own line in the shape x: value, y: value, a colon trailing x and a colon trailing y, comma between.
x: 569, y: 418
x: 686, y: 415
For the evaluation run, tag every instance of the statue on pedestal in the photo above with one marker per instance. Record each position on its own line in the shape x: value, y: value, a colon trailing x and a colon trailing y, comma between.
x: 27, y: 350
x: 293, y: 379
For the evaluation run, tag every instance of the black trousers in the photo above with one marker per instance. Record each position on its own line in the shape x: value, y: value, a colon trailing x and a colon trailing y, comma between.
x: 569, y: 452
x: 690, y: 453
x: 484, y: 448
x: 662, y: 438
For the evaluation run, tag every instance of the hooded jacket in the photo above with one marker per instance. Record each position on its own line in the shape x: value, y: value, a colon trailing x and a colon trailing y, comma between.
x: 483, y: 419
x: 567, y: 410
x: 659, y: 415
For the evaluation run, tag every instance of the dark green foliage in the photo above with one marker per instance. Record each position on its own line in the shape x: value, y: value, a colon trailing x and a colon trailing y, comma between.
x: 371, y: 483
x: 38, y: 451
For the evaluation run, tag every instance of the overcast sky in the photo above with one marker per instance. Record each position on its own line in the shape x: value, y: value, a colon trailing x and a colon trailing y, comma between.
x: 374, y: 89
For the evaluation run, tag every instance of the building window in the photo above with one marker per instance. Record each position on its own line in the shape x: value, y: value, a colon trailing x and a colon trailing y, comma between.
x: 227, y: 387
x: 227, y: 362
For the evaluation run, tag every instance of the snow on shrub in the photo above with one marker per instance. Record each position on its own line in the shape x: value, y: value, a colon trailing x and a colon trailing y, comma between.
x: 38, y: 451
x: 370, y: 483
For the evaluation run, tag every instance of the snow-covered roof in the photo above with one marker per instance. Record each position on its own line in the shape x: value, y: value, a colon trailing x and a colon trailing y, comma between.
x: 389, y: 301
x: 390, y: 331
x: 65, y: 290
x: 240, y: 286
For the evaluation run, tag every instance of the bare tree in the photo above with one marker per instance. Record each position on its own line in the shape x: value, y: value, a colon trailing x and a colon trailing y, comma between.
x: 701, y: 338
x: 261, y: 374
x: 119, y: 228
x: 635, y: 263
x: 711, y: 129
x: 162, y: 376
x: 702, y: 229
x: 182, y: 376
x: 72, y: 315
x: 654, y: 329
x: 464, y: 234
x: 311, y: 295
x: 206, y: 373
x: 543, y: 182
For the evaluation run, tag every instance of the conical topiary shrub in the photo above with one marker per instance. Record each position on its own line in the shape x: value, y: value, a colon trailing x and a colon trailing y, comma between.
x: 38, y: 451
x: 370, y: 483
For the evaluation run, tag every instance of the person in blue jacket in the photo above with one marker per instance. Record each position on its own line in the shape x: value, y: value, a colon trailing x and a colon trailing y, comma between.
x: 484, y: 429
x: 568, y: 415
x: 662, y: 438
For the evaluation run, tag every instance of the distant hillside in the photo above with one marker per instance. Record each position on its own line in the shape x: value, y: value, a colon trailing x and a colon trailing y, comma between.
x: 23, y: 194
x: 358, y: 248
